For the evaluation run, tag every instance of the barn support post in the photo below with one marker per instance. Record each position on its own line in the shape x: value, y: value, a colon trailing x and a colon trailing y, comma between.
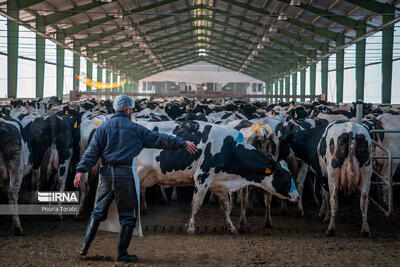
x: 89, y: 70
x: 276, y: 91
x: 108, y: 75
x: 303, y: 84
x: 360, y: 63
x: 114, y: 79
x: 339, y: 70
x: 76, y: 66
x: 294, y: 86
x: 12, y: 49
x: 281, y: 89
x: 313, y: 76
x: 99, y: 72
x: 60, y: 65
x: 40, y: 57
x: 287, y: 87
x: 324, y: 71
x: 387, y: 56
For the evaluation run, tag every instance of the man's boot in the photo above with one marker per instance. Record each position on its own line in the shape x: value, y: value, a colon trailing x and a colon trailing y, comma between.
x: 123, y: 243
x: 91, y: 230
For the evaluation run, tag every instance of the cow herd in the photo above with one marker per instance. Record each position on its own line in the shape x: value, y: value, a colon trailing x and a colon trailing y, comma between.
x: 242, y: 147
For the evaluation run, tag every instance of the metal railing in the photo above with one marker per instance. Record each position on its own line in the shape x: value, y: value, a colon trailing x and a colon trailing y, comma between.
x: 385, y: 179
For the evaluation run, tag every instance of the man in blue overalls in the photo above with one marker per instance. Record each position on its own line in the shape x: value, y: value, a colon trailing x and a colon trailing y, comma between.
x: 117, y: 142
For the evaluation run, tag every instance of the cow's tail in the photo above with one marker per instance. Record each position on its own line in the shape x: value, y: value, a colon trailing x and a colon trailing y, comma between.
x: 353, y: 167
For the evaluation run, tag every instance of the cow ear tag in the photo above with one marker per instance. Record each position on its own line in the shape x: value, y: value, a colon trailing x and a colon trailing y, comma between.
x: 76, y: 124
x: 66, y: 112
x: 97, y: 123
x: 268, y: 171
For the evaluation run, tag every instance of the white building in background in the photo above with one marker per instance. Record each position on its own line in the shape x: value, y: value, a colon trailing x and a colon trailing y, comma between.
x: 201, y: 77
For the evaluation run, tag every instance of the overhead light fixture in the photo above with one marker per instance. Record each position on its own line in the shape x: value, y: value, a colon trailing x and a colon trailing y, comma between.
x: 251, y: 57
x: 260, y: 46
x: 118, y: 15
x: 254, y: 53
x: 142, y: 44
x: 272, y: 28
x: 106, y: 1
x: 295, y: 2
x: 265, y: 39
x: 282, y: 17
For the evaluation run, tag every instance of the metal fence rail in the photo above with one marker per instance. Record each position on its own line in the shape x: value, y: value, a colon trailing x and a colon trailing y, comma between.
x: 386, y: 178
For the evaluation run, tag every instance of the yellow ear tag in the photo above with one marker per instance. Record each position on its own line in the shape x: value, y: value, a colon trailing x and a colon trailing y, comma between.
x: 135, y: 109
x: 256, y: 127
x: 49, y: 109
x: 66, y: 112
x: 273, y: 113
x: 268, y: 171
x: 76, y: 124
x: 97, y: 123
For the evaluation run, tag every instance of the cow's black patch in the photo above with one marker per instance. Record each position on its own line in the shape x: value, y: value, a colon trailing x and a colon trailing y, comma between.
x: 342, y: 150
x: 10, y: 141
x: 62, y: 170
x: 243, y: 124
x: 205, y: 134
x: 322, y: 147
x: 362, y: 153
x: 332, y: 145
x: 226, y: 115
x: 155, y: 129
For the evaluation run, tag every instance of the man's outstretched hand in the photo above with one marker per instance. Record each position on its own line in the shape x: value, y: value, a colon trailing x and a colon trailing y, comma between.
x: 191, y: 147
x: 78, y: 179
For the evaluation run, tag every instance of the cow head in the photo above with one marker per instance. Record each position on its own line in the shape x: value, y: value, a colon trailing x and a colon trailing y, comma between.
x: 280, y: 182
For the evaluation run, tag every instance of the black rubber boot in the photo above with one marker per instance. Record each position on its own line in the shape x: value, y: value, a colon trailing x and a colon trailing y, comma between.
x: 123, y: 243
x: 91, y: 230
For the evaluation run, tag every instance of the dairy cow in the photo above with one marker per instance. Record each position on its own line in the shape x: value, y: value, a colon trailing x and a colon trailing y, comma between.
x: 224, y: 163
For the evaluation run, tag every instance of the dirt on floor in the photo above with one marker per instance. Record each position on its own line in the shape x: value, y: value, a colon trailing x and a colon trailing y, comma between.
x: 293, y: 241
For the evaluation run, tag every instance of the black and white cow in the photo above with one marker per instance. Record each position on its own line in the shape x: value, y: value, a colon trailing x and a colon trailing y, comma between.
x: 340, y: 156
x: 15, y: 163
x: 224, y: 163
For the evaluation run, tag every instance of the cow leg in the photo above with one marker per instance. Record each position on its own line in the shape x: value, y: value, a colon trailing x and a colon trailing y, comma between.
x: 324, y: 212
x: 267, y: 201
x: 163, y: 195
x: 333, y: 191
x: 198, y: 197
x: 84, y: 190
x: 225, y: 201
x: 284, y: 206
x: 62, y: 176
x: 174, y: 195
x: 301, y: 176
x: 365, y: 184
x: 14, y: 172
x: 212, y: 198
x: 143, y: 206
x: 243, y: 205
x: 36, y: 184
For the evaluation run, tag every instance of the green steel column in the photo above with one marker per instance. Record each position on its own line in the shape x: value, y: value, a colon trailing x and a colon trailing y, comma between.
x: 303, y: 84
x: 360, y: 64
x: 108, y: 79
x: 287, y: 87
x: 294, y: 86
x: 281, y: 89
x: 114, y: 79
x: 324, y: 72
x: 276, y: 91
x: 268, y: 90
x: 339, y: 70
x: 12, y: 49
x: 99, y: 72
x: 76, y: 66
x: 313, y: 75
x: 89, y: 71
x: 387, y: 56
x: 60, y: 65
x: 40, y: 57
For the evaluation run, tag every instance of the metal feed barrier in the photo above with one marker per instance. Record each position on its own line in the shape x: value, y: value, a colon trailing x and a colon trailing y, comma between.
x: 385, y: 179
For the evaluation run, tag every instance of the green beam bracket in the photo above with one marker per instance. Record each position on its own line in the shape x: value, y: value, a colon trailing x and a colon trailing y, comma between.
x: 99, y: 72
x: 60, y: 65
x: 294, y: 86
x: 89, y: 71
x: 276, y: 91
x: 313, y: 76
x: 339, y: 70
x: 302, y: 84
x: 76, y: 66
x: 387, y: 57
x: 12, y: 49
x: 324, y: 71
x: 40, y: 58
x: 360, y: 64
x: 287, y: 87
